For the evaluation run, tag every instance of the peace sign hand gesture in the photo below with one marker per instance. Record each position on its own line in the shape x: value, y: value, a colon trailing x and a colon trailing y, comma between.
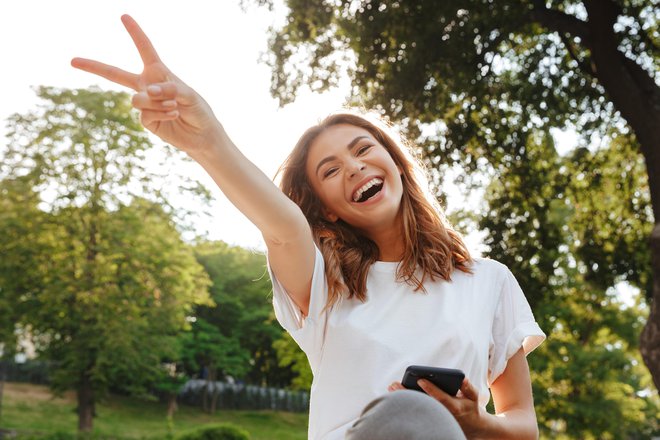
x: 169, y: 108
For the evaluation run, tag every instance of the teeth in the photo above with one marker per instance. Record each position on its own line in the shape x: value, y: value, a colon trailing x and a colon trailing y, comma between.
x: 366, y: 186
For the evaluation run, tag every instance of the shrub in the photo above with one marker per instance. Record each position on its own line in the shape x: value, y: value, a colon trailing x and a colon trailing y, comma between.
x: 50, y: 436
x: 216, y: 432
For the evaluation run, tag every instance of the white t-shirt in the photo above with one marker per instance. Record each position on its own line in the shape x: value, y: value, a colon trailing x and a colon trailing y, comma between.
x: 474, y: 323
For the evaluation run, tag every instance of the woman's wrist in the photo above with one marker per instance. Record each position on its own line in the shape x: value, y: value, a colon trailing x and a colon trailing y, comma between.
x: 512, y: 425
x: 486, y: 427
x: 211, y: 146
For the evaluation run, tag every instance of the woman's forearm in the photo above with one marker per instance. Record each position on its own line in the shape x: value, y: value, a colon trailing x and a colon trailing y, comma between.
x: 250, y: 190
x: 515, y: 424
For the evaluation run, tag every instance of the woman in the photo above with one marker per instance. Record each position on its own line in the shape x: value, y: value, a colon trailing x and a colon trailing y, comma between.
x: 367, y: 276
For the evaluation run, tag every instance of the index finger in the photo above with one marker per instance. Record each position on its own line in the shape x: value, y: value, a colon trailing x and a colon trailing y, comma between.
x: 107, y: 71
x: 433, y: 391
x: 145, y: 48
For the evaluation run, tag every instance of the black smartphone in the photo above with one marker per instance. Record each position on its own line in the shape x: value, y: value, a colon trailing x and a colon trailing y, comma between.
x: 447, y: 379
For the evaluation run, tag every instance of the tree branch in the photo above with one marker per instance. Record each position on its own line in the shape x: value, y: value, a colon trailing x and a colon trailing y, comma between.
x: 585, y: 67
x: 642, y: 78
x: 559, y: 22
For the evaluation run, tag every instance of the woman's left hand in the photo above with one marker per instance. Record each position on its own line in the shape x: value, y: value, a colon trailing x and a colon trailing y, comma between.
x: 464, y: 406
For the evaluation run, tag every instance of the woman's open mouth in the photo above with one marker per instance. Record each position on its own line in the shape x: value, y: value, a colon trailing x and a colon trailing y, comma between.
x: 368, y: 190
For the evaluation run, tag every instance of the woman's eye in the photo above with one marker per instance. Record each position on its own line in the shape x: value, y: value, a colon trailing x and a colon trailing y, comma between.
x: 363, y: 150
x: 329, y: 172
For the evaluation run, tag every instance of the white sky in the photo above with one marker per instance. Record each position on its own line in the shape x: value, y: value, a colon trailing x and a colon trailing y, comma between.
x: 212, y: 45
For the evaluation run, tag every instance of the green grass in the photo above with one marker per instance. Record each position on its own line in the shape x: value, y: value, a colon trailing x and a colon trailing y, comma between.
x: 29, y: 409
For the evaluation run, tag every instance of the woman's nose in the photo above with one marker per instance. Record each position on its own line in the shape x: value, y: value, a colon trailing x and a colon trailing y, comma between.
x: 356, y: 167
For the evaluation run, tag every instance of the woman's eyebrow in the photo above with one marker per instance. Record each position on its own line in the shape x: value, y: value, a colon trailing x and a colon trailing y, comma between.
x: 350, y: 145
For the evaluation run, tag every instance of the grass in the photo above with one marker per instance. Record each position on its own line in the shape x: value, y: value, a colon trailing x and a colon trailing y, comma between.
x: 31, y: 409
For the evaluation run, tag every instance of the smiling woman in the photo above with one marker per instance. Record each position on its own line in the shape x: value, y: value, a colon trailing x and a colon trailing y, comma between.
x: 368, y: 276
x: 389, y: 271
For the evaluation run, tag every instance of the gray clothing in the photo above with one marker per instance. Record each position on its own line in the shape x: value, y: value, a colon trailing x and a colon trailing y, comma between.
x: 405, y: 415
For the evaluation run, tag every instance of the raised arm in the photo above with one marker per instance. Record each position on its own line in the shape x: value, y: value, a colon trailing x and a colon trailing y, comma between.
x: 177, y: 114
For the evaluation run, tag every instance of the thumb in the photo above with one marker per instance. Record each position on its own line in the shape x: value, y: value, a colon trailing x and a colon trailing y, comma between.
x: 469, y: 391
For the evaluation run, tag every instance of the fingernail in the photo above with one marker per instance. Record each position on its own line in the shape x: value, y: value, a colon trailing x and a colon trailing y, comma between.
x: 174, y: 113
x: 170, y: 103
x: 154, y: 90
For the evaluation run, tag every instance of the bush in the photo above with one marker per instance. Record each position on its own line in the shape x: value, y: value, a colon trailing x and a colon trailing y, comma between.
x: 216, y: 432
x: 59, y: 435
x: 50, y: 436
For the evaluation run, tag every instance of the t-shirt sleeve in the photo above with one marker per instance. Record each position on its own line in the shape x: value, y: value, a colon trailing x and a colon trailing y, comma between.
x: 309, y: 331
x: 513, y: 327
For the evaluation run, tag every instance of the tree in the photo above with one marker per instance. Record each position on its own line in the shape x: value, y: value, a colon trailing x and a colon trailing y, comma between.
x: 544, y: 218
x: 117, y: 280
x: 463, y: 72
x: 214, y: 355
x: 171, y: 378
x: 290, y: 355
x: 243, y: 313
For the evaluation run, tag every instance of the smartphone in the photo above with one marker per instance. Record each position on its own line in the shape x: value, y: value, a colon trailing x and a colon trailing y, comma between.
x: 447, y: 379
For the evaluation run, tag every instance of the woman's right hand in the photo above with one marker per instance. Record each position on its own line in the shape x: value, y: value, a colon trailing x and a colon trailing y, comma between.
x: 168, y: 107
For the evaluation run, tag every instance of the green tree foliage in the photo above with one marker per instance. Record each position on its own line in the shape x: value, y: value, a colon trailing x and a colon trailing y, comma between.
x: 235, y: 336
x: 475, y: 65
x: 115, y: 281
x: 613, y: 216
x: 291, y: 356
x: 552, y: 219
x: 22, y: 246
x: 18, y: 215
x: 462, y: 73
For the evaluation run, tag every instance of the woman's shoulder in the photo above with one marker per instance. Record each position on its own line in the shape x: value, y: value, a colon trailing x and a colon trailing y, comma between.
x: 488, y: 268
x: 488, y: 263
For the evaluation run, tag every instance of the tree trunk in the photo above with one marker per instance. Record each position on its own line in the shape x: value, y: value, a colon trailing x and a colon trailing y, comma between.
x: 3, y: 379
x: 208, y: 392
x: 213, y: 376
x: 650, y: 340
x: 205, y: 397
x: 171, y: 405
x: 85, y: 394
x: 214, y: 399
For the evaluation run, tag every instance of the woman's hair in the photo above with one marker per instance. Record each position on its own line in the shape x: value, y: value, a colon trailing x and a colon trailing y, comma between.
x: 432, y: 247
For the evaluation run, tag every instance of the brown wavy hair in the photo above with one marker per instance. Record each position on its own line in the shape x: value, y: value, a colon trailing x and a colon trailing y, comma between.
x: 432, y: 247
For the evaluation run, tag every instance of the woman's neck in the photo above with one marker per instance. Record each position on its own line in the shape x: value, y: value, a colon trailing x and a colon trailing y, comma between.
x: 389, y: 241
x: 390, y: 252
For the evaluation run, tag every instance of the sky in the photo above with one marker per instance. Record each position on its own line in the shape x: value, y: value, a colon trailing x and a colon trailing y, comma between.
x: 212, y: 45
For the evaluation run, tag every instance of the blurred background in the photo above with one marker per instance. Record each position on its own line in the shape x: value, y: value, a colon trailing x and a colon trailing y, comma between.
x: 134, y: 299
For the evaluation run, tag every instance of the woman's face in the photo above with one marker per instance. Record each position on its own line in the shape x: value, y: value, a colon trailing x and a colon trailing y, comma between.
x: 355, y: 178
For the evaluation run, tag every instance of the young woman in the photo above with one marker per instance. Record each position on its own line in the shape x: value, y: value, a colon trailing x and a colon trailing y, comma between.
x: 367, y: 275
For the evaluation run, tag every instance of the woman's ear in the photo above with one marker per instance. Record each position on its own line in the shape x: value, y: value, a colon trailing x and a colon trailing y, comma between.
x: 329, y: 215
